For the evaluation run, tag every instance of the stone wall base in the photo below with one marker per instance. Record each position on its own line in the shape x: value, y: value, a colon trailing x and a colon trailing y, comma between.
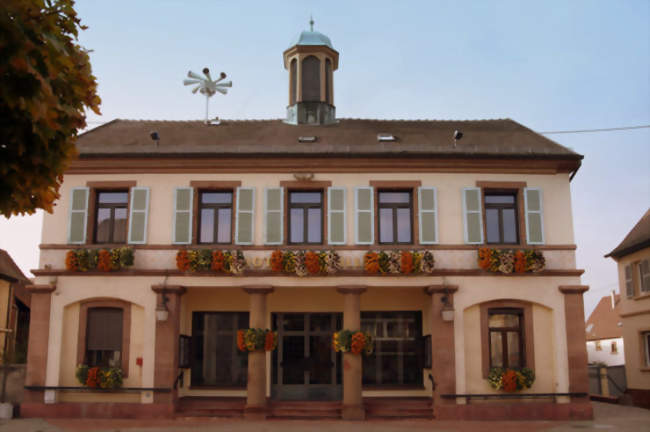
x: 639, y: 397
x: 515, y: 411
x: 97, y: 410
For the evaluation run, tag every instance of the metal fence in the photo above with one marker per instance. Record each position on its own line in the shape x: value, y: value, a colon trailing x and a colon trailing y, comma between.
x: 613, y: 383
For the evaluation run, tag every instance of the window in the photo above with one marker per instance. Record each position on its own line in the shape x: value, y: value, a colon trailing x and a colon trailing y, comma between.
x: 599, y: 347
x: 395, y: 217
x: 644, y: 275
x: 505, y: 338
x: 104, y: 337
x: 501, y: 219
x: 306, y: 217
x: 216, y: 360
x: 397, y: 359
x: 215, y: 217
x: 111, y: 216
x: 310, y: 75
x: 646, y: 347
x: 629, y: 283
x: 614, y: 347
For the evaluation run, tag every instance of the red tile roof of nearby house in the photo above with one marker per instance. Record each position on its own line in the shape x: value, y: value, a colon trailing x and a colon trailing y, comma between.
x: 9, y: 270
x: 635, y: 240
x: 603, y: 321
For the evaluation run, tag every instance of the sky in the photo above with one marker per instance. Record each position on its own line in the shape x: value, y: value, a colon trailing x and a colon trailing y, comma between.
x: 552, y: 65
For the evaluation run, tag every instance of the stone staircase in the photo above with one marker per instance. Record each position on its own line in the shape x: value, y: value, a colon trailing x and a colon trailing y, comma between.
x: 308, y: 410
x: 398, y: 407
x: 198, y: 406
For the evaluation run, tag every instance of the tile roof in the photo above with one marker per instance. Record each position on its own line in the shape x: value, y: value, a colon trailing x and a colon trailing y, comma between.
x: 605, y: 320
x: 9, y: 270
x: 637, y: 239
x: 347, y: 137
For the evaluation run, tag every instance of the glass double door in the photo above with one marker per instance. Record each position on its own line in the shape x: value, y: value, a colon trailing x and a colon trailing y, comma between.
x: 304, y: 365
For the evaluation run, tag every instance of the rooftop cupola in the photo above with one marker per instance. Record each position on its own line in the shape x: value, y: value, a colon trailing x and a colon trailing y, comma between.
x: 311, y: 61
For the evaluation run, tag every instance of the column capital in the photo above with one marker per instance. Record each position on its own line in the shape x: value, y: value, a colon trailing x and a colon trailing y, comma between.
x: 258, y: 289
x: 351, y: 289
x: 441, y: 289
x: 573, y: 289
x: 41, y: 288
x: 169, y: 289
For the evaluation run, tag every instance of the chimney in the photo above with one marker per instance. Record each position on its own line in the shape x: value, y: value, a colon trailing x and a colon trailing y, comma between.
x: 613, y: 295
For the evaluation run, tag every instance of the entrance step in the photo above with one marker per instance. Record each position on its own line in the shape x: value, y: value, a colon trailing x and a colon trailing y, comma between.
x: 398, y: 407
x: 197, y: 406
x: 316, y: 410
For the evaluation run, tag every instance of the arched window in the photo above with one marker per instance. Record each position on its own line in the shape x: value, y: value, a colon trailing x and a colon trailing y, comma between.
x: 328, y: 81
x: 293, y: 78
x: 311, y: 79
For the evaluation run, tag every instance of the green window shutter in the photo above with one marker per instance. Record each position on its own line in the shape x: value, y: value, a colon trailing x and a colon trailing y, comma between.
x: 629, y: 282
x: 364, y: 215
x: 336, y: 201
x: 138, y: 216
x: 273, y: 216
x: 78, y: 215
x: 428, y: 215
x: 472, y: 215
x: 182, y: 222
x: 534, y: 215
x: 644, y: 275
x: 245, y: 216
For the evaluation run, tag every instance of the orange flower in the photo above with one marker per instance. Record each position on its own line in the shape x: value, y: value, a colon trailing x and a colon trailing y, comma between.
x: 510, y: 381
x: 240, y: 340
x: 406, y: 262
x: 182, y: 260
x: 269, y: 341
x: 484, y: 258
x: 71, y: 262
x: 520, y: 262
x: 371, y: 262
x: 357, y: 343
x: 104, y: 261
x: 312, y: 263
x: 93, y: 377
x: 218, y: 260
x: 276, y: 261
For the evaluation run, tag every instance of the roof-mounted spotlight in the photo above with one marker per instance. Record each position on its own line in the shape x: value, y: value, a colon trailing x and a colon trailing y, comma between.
x: 155, y: 137
x: 457, y: 136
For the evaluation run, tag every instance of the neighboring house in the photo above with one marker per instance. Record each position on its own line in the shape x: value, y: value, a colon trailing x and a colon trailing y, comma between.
x: 633, y: 259
x: 14, y: 310
x: 311, y: 183
x: 605, y: 333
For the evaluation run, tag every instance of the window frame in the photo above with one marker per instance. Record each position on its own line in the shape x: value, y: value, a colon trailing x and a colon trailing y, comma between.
x: 305, y: 207
x: 500, y: 207
x: 215, y: 207
x: 527, y: 335
x: 91, y: 216
x: 517, y: 188
x: 630, y: 288
x: 394, y: 206
x: 644, y: 288
x: 645, y: 351
x: 198, y: 186
x: 504, y: 336
x: 127, y: 208
x: 126, y: 328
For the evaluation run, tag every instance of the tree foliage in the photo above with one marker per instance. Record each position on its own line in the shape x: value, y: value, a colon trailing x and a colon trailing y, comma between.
x: 46, y: 84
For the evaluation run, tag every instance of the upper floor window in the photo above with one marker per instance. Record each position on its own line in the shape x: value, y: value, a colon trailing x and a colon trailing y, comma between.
x: 111, y: 216
x: 501, y: 219
x: 215, y: 217
x: 646, y: 347
x: 305, y: 217
x: 395, y: 217
x: 505, y: 338
x: 644, y: 276
x: 104, y: 337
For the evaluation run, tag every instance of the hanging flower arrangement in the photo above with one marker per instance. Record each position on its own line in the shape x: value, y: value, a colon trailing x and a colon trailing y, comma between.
x: 256, y: 339
x: 354, y: 342
x: 197, y: 260
x: 508, y: 261
x: 304, y: 263
x: 97, y: 377
x: 511, y: 380
x: 104, y: 260
x: 399, y: 262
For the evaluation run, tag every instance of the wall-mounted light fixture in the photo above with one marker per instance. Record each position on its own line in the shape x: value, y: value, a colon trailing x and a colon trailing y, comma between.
x: 447, y: 309
x: 162, y: 313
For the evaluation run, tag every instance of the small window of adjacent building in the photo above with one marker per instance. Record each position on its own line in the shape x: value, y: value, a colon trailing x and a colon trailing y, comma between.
x: 629, y: 282
x: 644, y: 275
x: 305, y: 217
x: 614, y: 348
x: 501, y: 219
x: 395, y: 217
x: 111, y: 216
x: 505, y: 338
x: 599, y: 347
x: 215, y: 217
x: 104, y: 337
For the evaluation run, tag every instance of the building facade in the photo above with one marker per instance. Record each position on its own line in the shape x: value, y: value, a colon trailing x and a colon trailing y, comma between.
x: 449, y: 242
x: 633, y: 259
x: 605, y: 333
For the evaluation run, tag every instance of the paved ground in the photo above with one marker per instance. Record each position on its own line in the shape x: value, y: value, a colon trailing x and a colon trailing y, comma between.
x: 607, y: 418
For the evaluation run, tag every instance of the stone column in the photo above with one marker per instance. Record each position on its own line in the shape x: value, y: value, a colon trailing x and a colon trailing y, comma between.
x: 576, y: 340
x: 443, y: 358
x: 256, y: 385
x: 39, y: 333
x: 166, y: 351
x: 353, y: 408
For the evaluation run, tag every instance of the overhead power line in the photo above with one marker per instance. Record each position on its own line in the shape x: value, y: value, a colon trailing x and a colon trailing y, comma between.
x: 596, y: 130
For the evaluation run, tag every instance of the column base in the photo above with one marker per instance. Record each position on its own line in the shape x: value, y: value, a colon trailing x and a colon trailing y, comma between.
x: 255, y: 412
x: 353, y: 412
